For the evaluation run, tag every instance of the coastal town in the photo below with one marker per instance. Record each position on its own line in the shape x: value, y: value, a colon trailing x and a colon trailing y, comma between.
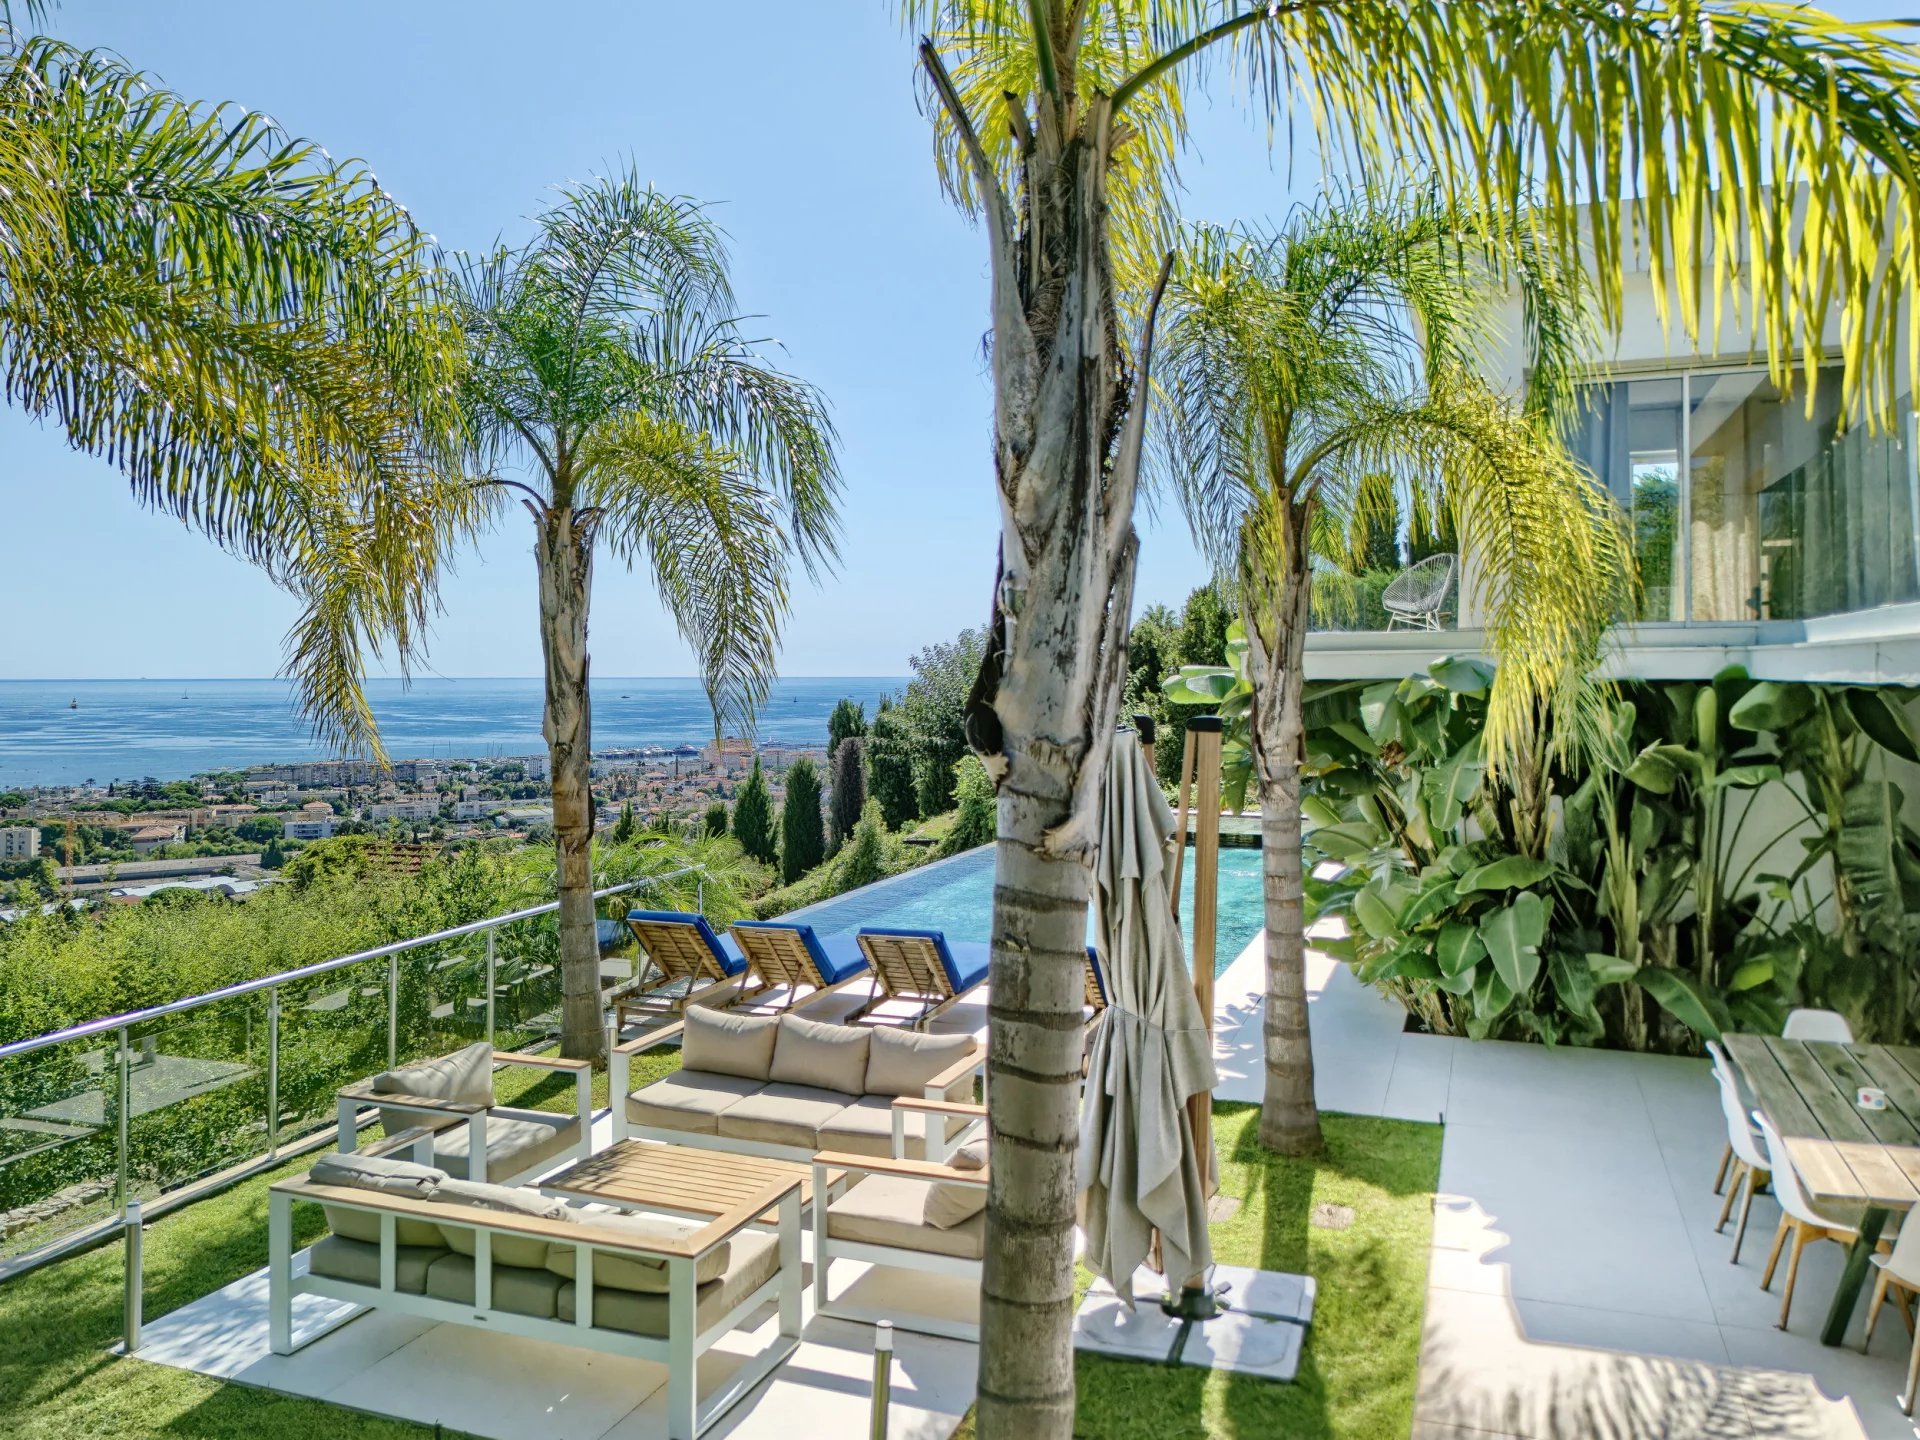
x: 228, y: 832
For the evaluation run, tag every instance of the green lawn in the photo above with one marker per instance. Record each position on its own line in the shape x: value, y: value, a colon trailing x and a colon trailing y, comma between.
x: 58, y: 1381
x: 1362, y: 1356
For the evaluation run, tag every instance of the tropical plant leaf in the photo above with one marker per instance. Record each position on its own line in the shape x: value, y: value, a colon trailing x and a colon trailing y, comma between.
x: 1682, y: 996
x: 1772, y: 705
x: 1458, y: 948
x: 1883, y: 717
x: 1511, y: 872
x: 1463, y: 674
x: 1512, y: 937
x: 1610, y: 969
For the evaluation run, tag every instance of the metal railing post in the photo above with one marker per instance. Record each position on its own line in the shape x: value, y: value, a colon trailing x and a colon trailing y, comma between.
x: 393, y: 1011
x: 490, y: 983
x: 882, y: 1378
x: 123, y: 1103
x: 131, y: 1313
x: 273, y: 1072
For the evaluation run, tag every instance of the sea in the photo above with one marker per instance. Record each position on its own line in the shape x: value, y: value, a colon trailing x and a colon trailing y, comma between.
x: 66, y: 732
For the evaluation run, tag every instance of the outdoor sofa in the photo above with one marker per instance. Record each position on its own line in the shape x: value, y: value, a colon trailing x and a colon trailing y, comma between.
x: 413, y: 1239
x: 449, y: 1105
x: 788, y: 1087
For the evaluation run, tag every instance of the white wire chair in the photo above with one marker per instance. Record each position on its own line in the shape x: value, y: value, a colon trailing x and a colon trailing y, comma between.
x: 1416, y: 595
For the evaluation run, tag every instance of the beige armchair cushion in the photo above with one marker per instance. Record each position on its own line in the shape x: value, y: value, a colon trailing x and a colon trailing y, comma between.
x: 725, y: 1043
x: 519, y: 1289
x: 508, y: 1249
x: 689, y: 1100
x: 827, y: 1057
x: 517, y: 1141
x: 618, y: 1270
x: 890, y: 1210
x: 782, y: 1115
x: 754, y: 1261
x: 903, y: 1061
x: 384, y: 1175
x: 358, y: 1262
x: 950, y: 1204
x: 464, y: 1077
x: 866, y: 1128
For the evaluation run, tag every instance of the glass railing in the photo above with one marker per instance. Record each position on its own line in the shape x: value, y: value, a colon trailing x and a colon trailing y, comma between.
x: 156, y: 1104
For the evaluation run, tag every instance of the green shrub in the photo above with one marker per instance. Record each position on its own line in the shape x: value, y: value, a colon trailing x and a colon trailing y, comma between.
x: 975, y: 821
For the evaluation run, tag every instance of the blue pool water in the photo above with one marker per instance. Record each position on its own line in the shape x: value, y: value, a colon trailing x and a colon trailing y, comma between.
x: 957, y: 896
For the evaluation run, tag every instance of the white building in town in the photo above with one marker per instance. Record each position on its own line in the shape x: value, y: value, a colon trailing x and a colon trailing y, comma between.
x: 19, y: 842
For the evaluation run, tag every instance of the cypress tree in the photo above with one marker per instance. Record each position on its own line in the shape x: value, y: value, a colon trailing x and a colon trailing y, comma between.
x: 753, y: 817
x: 716, y: 821
x: 626, y: 825
x: 849, y: 718
x: 849, y: 788
x: 803, y: 839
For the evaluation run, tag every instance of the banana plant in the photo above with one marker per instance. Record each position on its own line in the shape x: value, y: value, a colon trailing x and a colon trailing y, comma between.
x: 1230, y: 692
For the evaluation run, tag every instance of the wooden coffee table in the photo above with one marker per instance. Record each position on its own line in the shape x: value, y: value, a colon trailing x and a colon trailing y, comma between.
x: 678, y: 1179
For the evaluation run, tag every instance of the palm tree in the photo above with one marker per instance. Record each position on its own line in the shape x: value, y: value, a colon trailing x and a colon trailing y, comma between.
x: 254, y: 334
x: 610, y: 389
x: 1299, y: 372
x: 1058, y: 124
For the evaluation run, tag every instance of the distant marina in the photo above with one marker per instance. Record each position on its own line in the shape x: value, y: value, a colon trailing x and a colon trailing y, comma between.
x: 68, y: 732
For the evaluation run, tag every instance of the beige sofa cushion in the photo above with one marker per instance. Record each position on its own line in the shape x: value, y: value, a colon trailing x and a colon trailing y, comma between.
x: 728, y: 1044
x: 618, y: 1271
x: 903, y: 1061
x: 891, y: 1210
x: 358, y: 1262
x: 866, y: 1128
x: 517, y: 1141
x: 754, y: 1261
x: 689, y: 1100
x: 386, y: 1176
x: 464, y: 1077
x: 827, y: 1057
x: 516, y: 1288
x: 508, y: 1249
x: 782, y: 1115
x: 950, y: 1204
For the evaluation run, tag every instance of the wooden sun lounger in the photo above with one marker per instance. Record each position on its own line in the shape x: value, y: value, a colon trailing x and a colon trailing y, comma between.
x: 783, y: 954
x: 920, y: 966
x: 695, y: 967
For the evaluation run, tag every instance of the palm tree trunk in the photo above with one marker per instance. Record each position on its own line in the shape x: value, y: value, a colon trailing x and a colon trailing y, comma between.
x: 1066, y: 457
x: 564, y: 550
x: 1277, y: 596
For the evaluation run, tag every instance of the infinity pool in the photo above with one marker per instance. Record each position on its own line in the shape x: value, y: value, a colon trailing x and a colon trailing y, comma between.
x: 957, y: 896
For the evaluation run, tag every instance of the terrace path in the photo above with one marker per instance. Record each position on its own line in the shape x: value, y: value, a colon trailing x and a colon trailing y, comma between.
x: 1577, y: 1287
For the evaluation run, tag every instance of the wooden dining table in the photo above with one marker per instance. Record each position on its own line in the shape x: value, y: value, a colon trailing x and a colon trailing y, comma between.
x: 1844, y: 1155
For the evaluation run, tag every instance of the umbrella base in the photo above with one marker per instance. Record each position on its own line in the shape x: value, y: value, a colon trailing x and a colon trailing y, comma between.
x: 1243, y: 1321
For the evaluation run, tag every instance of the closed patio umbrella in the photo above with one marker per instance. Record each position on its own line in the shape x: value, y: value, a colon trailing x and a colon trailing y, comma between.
x: 1139, y: 1168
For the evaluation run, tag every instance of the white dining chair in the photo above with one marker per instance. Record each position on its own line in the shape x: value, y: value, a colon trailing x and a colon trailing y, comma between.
x: 1750, y: 1166
x: 1899, y: 1270
x: 1828, y: 1025
x: 1800, y: 1218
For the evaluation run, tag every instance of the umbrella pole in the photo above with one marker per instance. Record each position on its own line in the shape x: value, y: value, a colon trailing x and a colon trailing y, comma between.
x: 1180, y: 821
x: 1196, y: 1300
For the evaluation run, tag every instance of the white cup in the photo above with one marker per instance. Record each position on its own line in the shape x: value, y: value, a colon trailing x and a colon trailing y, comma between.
x: 1871, y: 1098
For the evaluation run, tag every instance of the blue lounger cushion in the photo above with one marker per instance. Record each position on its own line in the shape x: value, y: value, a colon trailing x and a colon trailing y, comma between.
x: 731, y: 961
x: 964, y: 961
x: 837, y: 957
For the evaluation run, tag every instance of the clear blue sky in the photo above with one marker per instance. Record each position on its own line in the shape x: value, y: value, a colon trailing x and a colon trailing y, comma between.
x: 799, y: 121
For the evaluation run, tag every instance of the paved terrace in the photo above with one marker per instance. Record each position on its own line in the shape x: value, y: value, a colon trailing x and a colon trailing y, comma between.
x: 1577, y: 1287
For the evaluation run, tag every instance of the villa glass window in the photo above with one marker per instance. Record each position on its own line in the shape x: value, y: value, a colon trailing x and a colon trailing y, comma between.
x: 1777, y: 513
